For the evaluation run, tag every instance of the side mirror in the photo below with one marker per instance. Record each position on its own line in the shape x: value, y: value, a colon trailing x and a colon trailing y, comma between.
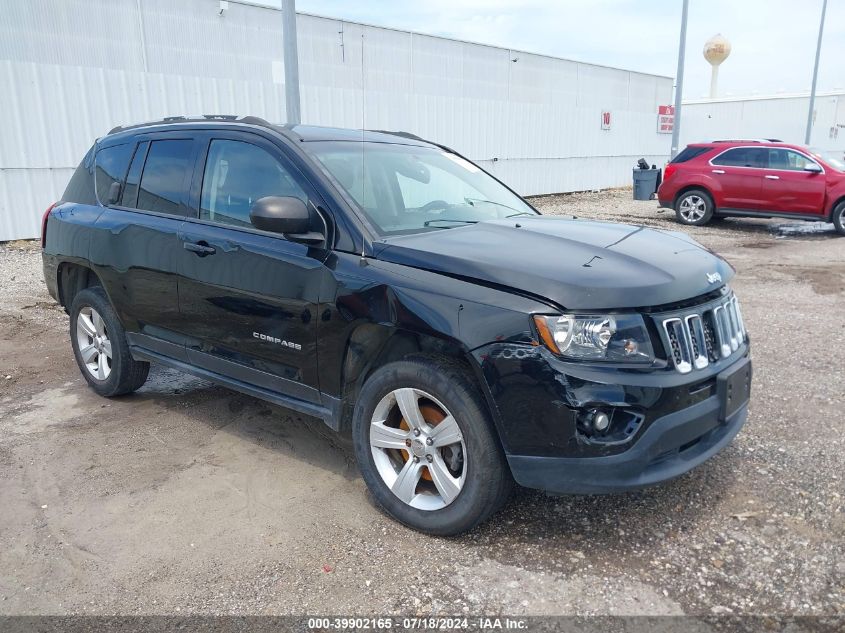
x: 286, y: 215
x: 813, y: 168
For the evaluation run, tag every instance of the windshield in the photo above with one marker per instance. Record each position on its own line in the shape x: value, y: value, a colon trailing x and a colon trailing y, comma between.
x: 406, y: 188
x: 834, y: 159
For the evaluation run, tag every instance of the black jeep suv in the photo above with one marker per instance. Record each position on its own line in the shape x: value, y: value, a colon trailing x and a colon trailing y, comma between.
x: 395, y: 290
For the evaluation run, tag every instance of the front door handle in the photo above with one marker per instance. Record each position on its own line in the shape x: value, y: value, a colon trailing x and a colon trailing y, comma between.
x: 200, y: 248
x: 718, y: 171
x: 768, y: 177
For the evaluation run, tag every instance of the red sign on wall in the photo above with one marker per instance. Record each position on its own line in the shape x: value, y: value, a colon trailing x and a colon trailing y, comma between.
x: 665, y: 119
x: 605, y: 120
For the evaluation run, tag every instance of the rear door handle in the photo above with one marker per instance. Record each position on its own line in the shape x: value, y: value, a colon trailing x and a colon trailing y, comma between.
x: 718, y: 171
x: 772, y: 177
x: 200, y: 248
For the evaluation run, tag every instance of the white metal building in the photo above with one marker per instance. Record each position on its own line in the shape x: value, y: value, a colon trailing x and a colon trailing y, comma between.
x: 778, y: 116
x: 73, y: 69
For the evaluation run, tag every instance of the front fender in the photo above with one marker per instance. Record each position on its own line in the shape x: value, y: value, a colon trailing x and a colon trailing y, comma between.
x: 834, y: 197
x: 372, y: 312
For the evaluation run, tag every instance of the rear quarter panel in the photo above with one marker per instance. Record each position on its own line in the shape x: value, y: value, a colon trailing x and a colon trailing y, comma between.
x: 697, y: 177
x: 68, y: 240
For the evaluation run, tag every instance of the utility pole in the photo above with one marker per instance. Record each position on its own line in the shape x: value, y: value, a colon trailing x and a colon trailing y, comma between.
x: 679, y: 80
x: 815, y: 77
x: 291, y: 62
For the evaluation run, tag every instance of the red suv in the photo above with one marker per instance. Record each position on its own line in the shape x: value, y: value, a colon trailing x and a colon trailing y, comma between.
x: 761, y: 178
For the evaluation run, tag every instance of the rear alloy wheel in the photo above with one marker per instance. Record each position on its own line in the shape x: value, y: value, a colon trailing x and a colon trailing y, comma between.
x: 100, y: 347
x: 425, y: 444
x: 92, y: 340
x: 839, y: 217
x: 694, y: 208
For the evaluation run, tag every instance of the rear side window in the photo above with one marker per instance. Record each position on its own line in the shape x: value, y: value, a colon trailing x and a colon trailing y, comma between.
x: 743, y: 157
x: 164, y: 181
x: 689, y: 153
x: 129, y: 198
x: 80, y: 189
x: 236, y: 175
x: 111, y: 164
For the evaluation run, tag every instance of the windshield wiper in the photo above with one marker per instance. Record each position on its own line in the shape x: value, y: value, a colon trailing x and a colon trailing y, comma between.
x: 430, y: 222
x: 513, y: 215
x: 470, y: 202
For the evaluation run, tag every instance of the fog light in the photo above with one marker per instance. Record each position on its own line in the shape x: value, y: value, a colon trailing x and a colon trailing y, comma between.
x: 600, y: 421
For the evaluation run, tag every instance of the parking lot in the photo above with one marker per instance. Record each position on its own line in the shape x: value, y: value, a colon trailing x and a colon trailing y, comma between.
x: 188, y: 498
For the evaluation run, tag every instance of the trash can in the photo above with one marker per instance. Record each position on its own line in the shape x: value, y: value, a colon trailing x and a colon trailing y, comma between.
x: 645, y: 183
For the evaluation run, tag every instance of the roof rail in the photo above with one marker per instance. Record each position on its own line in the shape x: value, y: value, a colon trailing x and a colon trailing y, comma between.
x: 409, y: 135
x: 414, y: 137
x: 747, y: 140
x: 249, y: 120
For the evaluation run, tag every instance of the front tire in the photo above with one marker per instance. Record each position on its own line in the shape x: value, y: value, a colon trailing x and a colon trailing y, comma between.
x: 694, y: 208
x: 839, y: 218
x: 100, y: 347
x: 426, y: 448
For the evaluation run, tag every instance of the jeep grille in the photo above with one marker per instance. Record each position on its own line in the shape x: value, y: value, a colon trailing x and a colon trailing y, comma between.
x: 697, y: 337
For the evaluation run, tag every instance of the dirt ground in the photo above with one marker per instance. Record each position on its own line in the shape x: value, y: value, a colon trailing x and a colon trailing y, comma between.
x: 188, y: 498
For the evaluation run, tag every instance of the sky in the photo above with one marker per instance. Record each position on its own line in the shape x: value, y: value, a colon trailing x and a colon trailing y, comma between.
x: 773, y: 41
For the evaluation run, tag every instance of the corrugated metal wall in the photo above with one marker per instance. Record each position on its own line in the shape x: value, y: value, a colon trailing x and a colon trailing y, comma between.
x: 72, y: 69
x: 780, y: 116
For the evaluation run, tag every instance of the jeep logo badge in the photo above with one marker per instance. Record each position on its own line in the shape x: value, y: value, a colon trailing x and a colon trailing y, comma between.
x: 713, y: 277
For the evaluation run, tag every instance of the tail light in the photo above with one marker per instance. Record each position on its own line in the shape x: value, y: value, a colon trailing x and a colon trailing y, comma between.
x: 44, y: 224
x: 669, y: 170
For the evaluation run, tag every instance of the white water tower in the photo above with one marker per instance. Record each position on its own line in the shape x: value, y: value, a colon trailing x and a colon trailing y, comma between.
x: 716, y: 50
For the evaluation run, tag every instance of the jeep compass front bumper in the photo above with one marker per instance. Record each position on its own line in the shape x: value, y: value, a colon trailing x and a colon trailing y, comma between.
x: 669, y: 447
x: 663, y: 423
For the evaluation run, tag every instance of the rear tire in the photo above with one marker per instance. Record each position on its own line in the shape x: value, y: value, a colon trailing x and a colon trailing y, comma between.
x: 456, y: 479
x: 694, y: 207
x: 100, y: 347
x: 839, y: 217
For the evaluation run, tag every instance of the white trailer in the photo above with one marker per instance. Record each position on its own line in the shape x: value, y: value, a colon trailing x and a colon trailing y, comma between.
x: 73, y: 69
x: 779, y: 116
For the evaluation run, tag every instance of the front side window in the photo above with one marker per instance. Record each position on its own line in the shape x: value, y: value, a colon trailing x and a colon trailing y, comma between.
x: 236, y: 175
x: 165, y: 179
x: 407, y: 188
x: 111, y: 164
x: 787, y: 159
x: 742, y: 157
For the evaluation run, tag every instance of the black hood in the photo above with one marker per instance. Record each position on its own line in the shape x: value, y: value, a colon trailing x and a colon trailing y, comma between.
x: 577, y: 264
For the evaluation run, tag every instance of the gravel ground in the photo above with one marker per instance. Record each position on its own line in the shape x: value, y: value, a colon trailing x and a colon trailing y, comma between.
x: 188, y: 498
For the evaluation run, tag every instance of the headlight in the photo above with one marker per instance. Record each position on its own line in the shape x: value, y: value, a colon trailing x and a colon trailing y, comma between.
x: 608, y: 337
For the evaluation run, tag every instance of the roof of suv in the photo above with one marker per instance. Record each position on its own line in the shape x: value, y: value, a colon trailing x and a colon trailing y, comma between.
x: 748, y: 140
x: 723, y: 144
x: 302, y: 133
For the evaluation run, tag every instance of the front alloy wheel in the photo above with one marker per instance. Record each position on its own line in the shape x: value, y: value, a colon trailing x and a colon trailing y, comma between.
x: 426, y: 446
x: 839, y: 218
x: 418, y: 449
